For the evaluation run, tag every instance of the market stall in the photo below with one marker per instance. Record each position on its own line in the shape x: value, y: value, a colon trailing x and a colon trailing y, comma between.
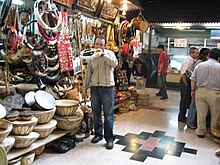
x: 42, y: 68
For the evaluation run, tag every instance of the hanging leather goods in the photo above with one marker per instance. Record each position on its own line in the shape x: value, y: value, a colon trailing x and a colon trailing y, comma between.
x: 4, y: 11
x: 44, y: 32
x: 39, y: 64
x: 49, y: 8
x: 39, y: 45
x: 12, y: 38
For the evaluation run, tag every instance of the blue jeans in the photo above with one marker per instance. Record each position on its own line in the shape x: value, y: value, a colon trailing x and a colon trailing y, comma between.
x: 102, y: 98
x: 162, y: 85
x: 192, y: 115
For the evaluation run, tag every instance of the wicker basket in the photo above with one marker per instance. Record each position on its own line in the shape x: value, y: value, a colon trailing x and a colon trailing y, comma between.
x: 5, y: 129
x: 45, y: 129
x: 23, y: 127
x: 67, y: 123
x: 25, y: 141
x: 39, y: 150
x: 66, y: 107
x: 28, y: 158
x: 44, y: 116
x: 8, y: 143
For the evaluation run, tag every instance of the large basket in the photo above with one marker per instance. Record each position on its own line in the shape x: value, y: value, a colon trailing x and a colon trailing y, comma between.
x: 66, y: 107
x: 44, y: 116
x: 23, y: 127
x: 45, y: 129
x: 25, y: 141
x: 69, y: 122
x: 8, y: 143
x: 5, y: 129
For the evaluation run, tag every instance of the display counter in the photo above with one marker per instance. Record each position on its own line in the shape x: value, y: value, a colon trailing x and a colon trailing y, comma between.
x: 173, y: 77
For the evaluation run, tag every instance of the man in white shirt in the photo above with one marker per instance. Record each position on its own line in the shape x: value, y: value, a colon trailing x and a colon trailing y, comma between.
x: 206, y: 77
x: 185, y: 84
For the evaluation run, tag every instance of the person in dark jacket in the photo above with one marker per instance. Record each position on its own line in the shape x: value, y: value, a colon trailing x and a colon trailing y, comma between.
x: 139, y: 71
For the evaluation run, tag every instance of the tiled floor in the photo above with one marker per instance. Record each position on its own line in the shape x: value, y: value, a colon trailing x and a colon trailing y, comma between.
x: 150, y: 135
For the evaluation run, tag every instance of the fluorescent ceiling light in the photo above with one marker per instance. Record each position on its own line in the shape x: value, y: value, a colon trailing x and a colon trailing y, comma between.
x: 16, y: 2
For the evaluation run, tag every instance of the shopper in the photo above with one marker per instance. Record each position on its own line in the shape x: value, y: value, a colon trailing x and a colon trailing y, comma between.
x: 100, y: 79
x: 185, y: 97
x: 163, y: 62
x: 191, y: 116
x: 206, y: 77
x: 140, y: 71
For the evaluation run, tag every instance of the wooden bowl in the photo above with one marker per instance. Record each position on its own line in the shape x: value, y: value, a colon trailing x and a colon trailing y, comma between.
x: 39, y: 150
x: 25, y: 141
x: 23, y: 127
x: 8, y: 143
x: 66, y: 107
x: 44, y: 116
x: 5, y: 129
x: 28, y: 158
x: 45, y: 129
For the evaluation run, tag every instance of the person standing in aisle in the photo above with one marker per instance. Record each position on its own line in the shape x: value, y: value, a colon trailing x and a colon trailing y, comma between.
x: 162, y: 72
x: 185, y: 97
x: 191, y: 116
x: 100, y: 79
x: 206, y: 77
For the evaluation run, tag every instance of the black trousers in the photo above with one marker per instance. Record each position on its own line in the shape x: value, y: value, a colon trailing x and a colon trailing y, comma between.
x: 185, y: 99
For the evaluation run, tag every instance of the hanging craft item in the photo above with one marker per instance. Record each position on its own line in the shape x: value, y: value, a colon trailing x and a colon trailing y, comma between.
x: 65, y: 50
x: 44, y: 32
x: 4, y: 11
x: 31, y: 40
x: 48, y: 8
x: 12, y: 40
x: 123, y: 27
x: 140, y: 24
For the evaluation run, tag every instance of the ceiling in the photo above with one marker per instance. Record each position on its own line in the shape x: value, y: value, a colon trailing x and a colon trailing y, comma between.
x: 170, y: 11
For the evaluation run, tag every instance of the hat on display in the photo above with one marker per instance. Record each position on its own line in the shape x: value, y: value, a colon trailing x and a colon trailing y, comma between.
x: 2, y: 111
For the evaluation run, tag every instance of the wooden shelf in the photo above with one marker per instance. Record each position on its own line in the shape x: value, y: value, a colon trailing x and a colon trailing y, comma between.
x: 13, y: 153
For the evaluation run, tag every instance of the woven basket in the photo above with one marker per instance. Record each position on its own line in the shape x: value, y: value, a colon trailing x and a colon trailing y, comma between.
x: 39, y: 150
x: 44, y: 116
x: 66, y: 107
x: 45, y: 129
x: 8, y: 143
x: 25, y: 141
x: 23, y: 127
x: 67, y: 124
x: 5, y: 129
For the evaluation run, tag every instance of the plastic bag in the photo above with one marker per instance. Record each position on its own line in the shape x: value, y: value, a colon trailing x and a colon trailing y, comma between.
x: 65, y: 144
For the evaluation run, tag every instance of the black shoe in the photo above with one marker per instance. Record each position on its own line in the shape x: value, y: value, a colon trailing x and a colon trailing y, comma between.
x: 191, y: 126
x: 158, y: 94
x: 183, y: 120
x: 201, y: 136
x: 96, y: 139
x: 164, y: 98
x: 109, y: 145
